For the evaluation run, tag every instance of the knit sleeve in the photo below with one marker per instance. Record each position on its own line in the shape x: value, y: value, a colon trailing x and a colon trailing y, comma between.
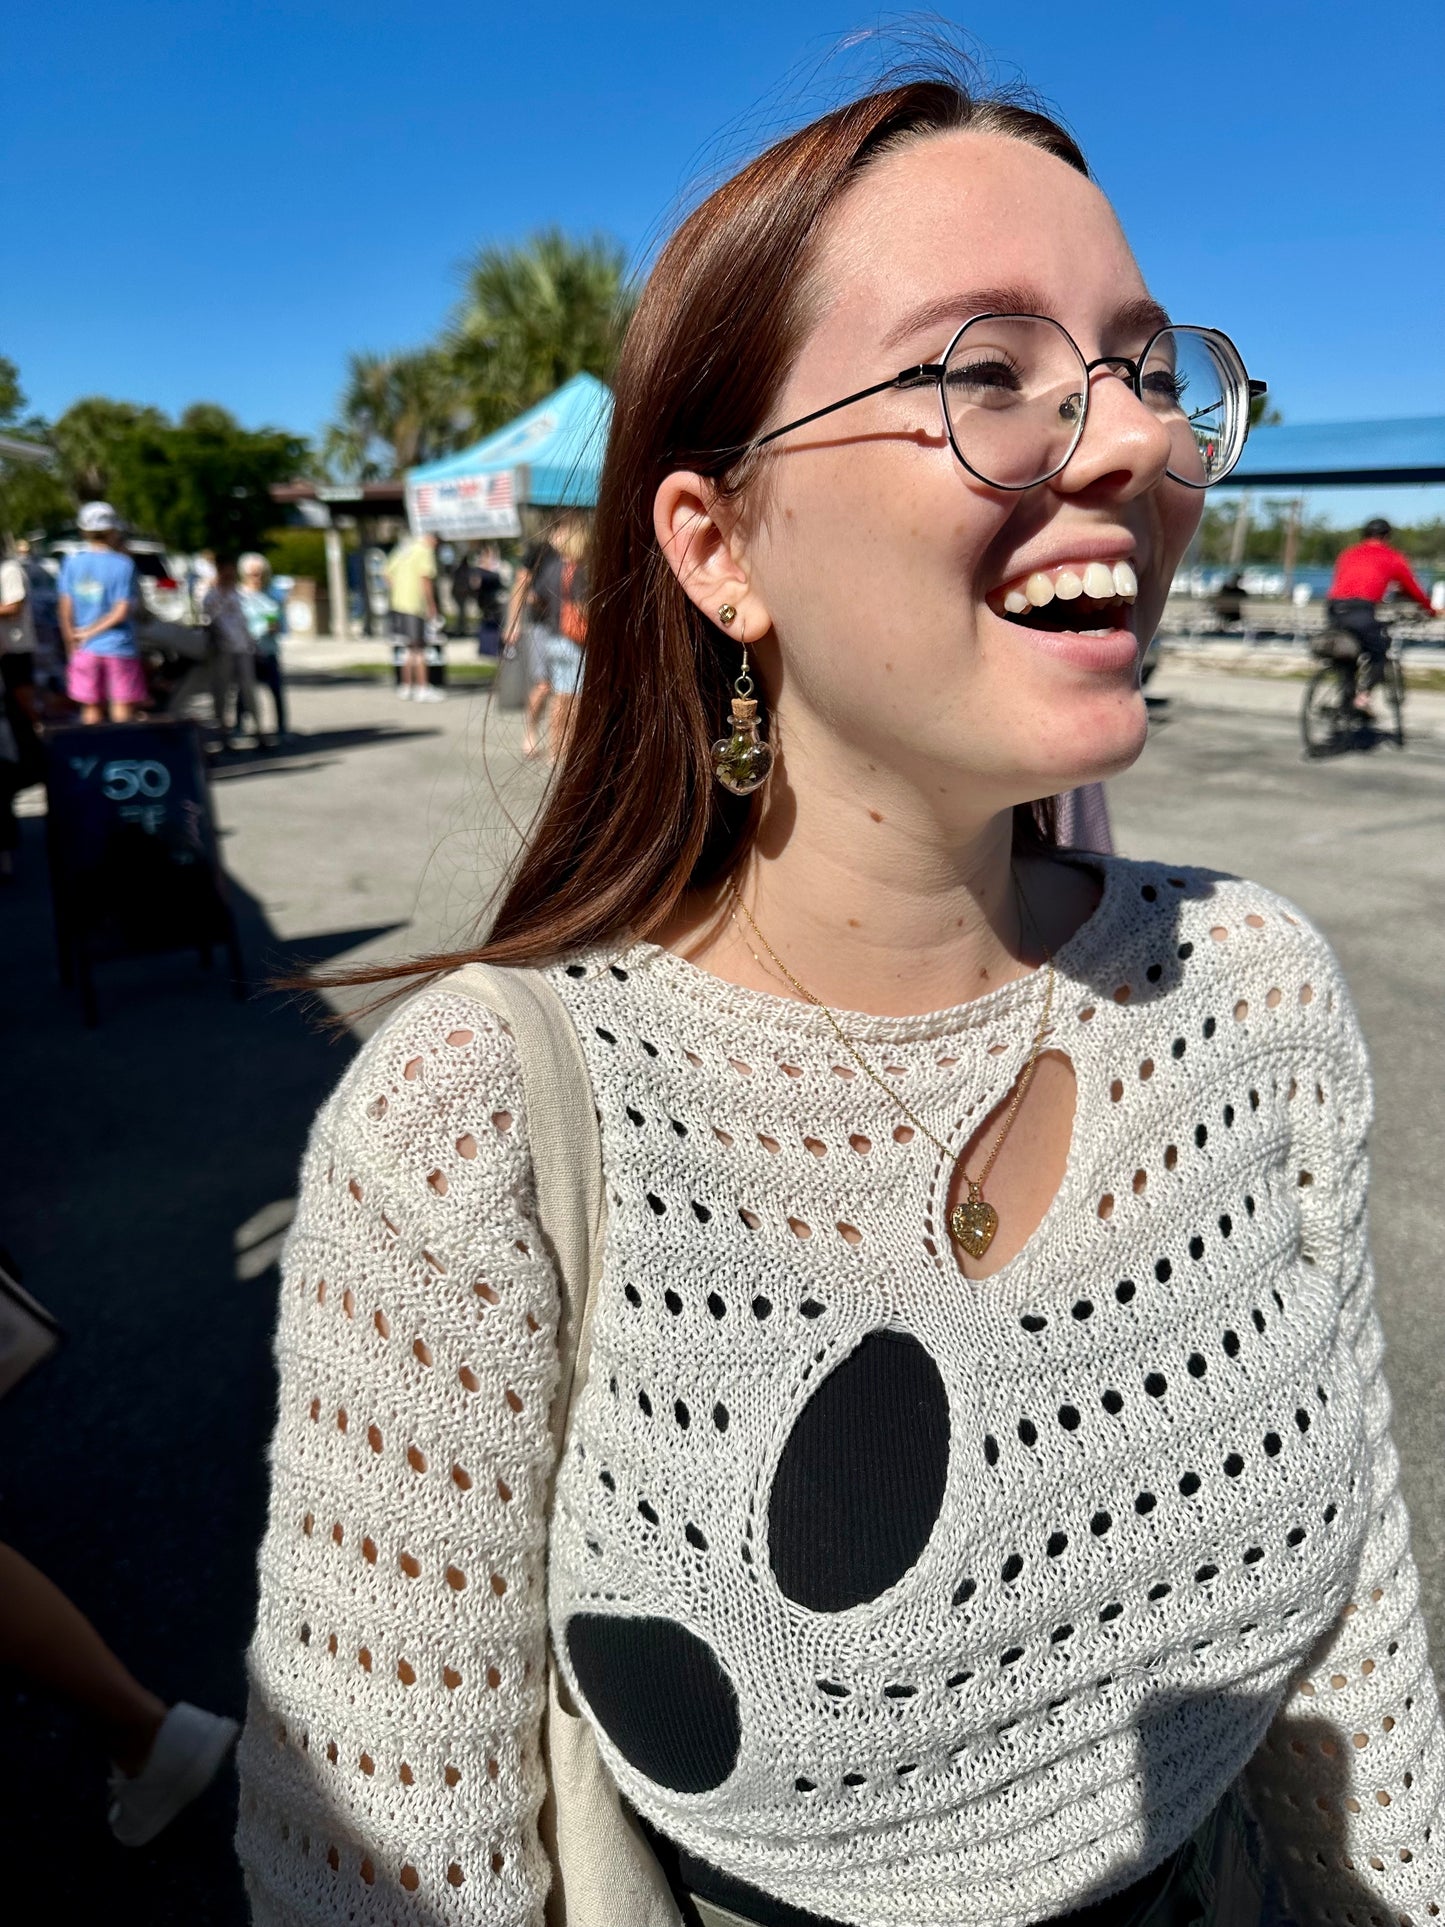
x: 390, y: 1765
x: 1350, y: 1780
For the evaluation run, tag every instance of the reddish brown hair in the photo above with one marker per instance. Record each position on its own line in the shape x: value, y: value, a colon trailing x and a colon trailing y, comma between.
x: 633, y: 818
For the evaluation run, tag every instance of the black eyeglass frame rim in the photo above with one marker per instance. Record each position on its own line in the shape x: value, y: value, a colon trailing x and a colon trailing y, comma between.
x: 924, y: 372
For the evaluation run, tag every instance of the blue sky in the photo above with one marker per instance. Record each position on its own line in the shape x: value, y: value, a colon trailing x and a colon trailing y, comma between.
x: 217, y: 201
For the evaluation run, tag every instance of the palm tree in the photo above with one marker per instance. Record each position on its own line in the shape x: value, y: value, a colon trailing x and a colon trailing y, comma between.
x: 532, y: 316
x: 395, y: 411
x: 90, y: 439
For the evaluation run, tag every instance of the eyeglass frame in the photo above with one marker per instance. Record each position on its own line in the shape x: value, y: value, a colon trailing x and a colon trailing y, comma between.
x: 1125, y: 366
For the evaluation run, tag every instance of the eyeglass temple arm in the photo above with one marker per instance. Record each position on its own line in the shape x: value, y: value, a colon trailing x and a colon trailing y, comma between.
x: 1258, y: 388
x: 905, y: 378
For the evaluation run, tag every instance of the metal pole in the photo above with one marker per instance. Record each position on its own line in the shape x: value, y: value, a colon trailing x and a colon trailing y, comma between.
x: 336, y: 582
x: 1291, y: 543
x: 1239, y: 532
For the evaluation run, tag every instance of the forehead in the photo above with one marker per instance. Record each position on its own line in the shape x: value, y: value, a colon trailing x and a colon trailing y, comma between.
x: 962, y: 211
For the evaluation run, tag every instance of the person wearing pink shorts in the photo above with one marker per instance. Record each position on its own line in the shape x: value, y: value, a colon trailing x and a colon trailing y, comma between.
x: 105, y: 681
x: 99, y: 599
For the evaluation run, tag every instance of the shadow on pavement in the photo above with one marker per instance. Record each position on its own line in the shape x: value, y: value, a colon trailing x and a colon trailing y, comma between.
x: 144, y: 1192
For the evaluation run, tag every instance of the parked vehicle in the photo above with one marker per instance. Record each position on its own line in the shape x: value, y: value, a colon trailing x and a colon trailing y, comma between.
x: 162, y: 575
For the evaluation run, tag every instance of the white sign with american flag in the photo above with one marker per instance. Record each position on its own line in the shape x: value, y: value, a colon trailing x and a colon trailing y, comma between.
x: 465, y: 507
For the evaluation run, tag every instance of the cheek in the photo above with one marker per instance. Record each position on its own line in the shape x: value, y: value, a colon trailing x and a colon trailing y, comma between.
x: 883, y: 546
x: 1177, y: 515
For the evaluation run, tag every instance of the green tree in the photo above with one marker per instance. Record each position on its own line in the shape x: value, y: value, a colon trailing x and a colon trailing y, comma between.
x: 534, y: 315
x: 33, y: 495
x: 201, y: 482
x: 94, y: 439
x: 206, y: 482
x: 395, y: 410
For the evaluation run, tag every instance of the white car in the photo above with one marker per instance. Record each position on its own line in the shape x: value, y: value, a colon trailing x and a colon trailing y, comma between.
x: 162, y: 575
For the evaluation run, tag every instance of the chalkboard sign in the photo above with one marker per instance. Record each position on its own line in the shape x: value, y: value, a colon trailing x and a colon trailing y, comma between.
x: 134, y: 861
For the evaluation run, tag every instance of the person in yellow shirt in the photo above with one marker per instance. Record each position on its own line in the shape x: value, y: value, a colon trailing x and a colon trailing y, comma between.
x: 411, y: 571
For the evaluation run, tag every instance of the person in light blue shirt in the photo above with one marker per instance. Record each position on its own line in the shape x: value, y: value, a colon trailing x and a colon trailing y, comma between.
x: 263, y: 619
x: 99, y: 598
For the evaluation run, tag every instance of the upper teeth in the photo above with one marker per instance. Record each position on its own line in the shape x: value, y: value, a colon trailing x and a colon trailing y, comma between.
x: 1102, y: 581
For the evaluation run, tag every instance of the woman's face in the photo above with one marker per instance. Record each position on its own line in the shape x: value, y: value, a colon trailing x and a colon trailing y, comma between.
x: 878, y: 566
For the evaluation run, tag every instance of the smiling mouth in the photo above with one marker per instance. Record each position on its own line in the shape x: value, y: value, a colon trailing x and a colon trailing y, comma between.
x: 1078, y: 599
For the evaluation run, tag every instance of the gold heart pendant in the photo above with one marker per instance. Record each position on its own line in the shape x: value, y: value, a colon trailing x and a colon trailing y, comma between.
x: 973, y: 1223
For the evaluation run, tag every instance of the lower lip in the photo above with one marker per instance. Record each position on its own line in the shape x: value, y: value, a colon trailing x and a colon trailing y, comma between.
x: 1105, y: 651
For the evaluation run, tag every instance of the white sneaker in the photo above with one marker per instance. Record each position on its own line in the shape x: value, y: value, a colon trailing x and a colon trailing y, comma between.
x: 404, y: 691
x: 184, y: 1759
x: 429, y: 693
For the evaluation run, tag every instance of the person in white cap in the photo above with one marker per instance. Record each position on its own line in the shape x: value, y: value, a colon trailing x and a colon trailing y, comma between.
x: 99, y: 602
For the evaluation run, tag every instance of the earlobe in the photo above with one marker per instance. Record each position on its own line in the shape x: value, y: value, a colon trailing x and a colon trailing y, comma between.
x: 697, y: 541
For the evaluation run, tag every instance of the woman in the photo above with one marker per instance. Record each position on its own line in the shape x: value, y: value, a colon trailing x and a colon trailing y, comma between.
x: 553, y: 589
x: 263, y: 620
x: 982, y: 1483
x: 233, y: 659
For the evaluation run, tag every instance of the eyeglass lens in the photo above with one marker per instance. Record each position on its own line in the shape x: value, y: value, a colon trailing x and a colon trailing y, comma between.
x: 1014, y: 388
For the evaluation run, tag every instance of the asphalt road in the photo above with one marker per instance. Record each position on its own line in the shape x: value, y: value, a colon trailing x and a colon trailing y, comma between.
x: 147, y: 1189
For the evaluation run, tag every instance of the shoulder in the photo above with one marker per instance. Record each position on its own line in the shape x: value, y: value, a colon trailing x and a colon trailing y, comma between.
x: 1237, y: 949
x: 441, y: 1077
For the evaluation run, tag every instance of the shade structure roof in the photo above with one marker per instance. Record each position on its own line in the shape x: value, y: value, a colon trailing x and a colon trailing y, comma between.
x: 555, y: 449
x: 1330, y: 454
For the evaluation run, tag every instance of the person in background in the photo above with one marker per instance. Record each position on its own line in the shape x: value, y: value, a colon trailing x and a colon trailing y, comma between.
x: 201, y: 579
x: 411, y: 572
x: 162, y: 1757
x: 463, y: 588
x: 19, y: 750
x: 263, y: 620
x: 524, y: 635
x: 44, y: 609
x: 17, y: 635
x: 1364, y: 574
x: 559, y: 611
x: 487, y: 588
x: 233, y: 659
x: 99, y: 601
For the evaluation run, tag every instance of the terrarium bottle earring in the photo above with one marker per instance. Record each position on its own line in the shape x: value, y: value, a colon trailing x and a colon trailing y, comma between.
x: 741, y: 762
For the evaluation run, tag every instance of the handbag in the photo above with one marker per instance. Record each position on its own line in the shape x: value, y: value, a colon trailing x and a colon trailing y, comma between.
x: 603, y: 1871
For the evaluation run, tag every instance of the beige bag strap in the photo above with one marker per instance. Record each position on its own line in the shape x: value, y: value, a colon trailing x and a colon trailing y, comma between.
x: 566, y: 1152
x: 604, y: 1873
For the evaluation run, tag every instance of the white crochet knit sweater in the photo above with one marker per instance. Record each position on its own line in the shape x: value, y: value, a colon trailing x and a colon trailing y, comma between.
x: 1166, y: 1546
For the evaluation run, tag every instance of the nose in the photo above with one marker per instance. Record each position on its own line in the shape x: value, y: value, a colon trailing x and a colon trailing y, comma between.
x: 1124, y: 450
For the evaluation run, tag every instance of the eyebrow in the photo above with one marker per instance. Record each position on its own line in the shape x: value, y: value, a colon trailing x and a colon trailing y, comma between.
x: 1141, y: 315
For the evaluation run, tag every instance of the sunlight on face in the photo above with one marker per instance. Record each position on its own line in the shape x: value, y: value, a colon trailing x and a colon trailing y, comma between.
x: 893, y: 577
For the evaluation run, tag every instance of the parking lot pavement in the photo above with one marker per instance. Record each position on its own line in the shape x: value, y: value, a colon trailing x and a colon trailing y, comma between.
x: 147, y: 1195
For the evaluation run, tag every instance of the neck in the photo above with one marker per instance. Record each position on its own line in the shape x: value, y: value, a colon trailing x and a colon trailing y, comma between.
x: 874, y: 898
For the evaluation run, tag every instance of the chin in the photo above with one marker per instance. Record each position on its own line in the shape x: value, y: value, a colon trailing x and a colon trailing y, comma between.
x: 1102, y: 735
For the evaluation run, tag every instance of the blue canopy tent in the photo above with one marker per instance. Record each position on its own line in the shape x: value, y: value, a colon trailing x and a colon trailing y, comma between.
x: 1343, y: 454
x: 549, y: 457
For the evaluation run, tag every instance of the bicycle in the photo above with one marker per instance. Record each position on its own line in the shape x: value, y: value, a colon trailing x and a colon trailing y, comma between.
x: 1330, y: 722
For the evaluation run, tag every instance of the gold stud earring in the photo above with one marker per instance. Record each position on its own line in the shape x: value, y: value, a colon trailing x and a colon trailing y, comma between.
x: 741, y: 761
x: 726, y: 614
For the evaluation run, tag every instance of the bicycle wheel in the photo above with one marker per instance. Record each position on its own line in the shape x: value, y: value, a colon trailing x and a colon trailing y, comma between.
x: 1393, y: 688
x: 1320, y: 716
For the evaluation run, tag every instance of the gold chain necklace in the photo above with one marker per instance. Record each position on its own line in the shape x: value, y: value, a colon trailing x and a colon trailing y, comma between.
x: 973, y: 1221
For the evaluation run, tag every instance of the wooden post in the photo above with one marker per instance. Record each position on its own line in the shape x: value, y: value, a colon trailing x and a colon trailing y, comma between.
x: 336, y: 583
x: 1239, y: 532
x: 1291, y: 543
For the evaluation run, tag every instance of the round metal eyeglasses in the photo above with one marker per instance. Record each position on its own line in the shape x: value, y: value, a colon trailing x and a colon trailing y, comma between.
x: 1014, y: 391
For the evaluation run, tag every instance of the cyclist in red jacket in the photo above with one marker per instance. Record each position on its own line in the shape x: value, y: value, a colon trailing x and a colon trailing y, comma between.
x: 1363, y: 574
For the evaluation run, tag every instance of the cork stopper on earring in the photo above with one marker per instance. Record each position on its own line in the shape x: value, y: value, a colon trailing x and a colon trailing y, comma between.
x: 745, y: 709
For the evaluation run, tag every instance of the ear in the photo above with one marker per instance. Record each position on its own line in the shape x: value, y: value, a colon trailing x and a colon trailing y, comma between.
x: 703, y: 545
